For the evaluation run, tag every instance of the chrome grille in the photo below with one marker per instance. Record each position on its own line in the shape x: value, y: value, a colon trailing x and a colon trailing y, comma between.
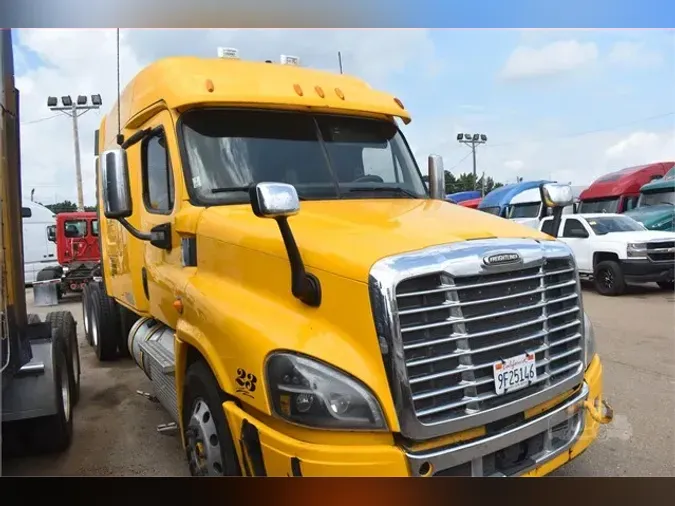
x: 454, y: 328
x: 663, y: 251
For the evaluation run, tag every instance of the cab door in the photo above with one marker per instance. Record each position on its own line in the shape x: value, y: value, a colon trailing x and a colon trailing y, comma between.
x: 162, y: 268
x: 576, y: 235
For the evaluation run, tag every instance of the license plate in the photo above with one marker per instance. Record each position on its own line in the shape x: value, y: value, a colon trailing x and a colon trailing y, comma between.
x: 514, y: 373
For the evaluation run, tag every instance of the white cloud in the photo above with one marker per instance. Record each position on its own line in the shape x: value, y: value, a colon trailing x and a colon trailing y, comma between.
x: 643, y: 147
x: 634, y: 54
x: 84, y: 62
x: 554, y: 58
x: 514, y: 165
x: 577, y: 160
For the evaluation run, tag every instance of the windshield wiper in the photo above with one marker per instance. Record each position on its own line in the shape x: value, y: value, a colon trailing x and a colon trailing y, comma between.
x: 246, y: 189
x: 392, y: 189
x: 231, y: 189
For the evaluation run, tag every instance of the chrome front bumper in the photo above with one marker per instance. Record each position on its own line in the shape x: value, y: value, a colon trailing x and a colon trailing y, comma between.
x: 536, y: 441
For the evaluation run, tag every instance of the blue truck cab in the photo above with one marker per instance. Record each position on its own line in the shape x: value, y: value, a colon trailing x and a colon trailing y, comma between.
x: 497, y: 202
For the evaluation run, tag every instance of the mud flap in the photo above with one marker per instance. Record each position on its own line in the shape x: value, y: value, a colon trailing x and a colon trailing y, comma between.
x: 45, y: 293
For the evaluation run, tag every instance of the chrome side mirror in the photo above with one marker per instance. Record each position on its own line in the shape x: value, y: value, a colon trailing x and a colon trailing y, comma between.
x: 436, y: 178
x: 557, y: 195
x: 274, y: 200
x: 279, y: 201
x: 117, y: 202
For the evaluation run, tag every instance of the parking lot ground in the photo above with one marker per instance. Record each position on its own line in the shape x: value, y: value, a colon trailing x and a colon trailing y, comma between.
x: 115, y: 429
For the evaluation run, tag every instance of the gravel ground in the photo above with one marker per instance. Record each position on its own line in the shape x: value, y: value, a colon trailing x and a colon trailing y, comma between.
x: 115, y: 428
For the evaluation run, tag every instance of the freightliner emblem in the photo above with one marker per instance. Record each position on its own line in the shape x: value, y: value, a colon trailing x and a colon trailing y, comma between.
x: 501, y: 259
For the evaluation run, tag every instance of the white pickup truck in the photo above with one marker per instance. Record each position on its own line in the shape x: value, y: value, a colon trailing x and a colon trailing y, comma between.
x: 614, y: 250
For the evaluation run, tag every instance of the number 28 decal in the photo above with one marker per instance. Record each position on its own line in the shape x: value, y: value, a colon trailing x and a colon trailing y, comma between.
x: 246, y: 383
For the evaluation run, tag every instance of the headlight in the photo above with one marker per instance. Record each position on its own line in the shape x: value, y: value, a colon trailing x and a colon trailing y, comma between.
x: 589, y: 334
x: 310, y: 393
x: 636, y: 250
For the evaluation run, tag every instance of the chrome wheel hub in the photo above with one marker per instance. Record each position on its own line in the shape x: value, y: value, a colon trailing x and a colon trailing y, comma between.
x: 203, y: 445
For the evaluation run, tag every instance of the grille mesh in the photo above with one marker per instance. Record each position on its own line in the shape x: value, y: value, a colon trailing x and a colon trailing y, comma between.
x: 454, y: 328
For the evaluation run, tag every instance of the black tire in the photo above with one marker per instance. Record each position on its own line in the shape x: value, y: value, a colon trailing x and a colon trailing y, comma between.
x: 49, y: 273
x: 105, y: 325
x: 86, y: 316
x: 202, y: 390
x: 54, y: 433
x: 127, y: 320
x: 64, y: 324
x: 608, y: 278
x: 33, y: 319
x: 667, y: 285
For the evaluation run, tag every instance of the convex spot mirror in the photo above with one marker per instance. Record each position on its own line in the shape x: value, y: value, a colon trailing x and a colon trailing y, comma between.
x: 557, y: 195
x: 274, y: 200
x: 117, y: 202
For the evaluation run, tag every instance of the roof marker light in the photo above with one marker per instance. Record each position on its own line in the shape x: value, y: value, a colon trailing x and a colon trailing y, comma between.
x: 339, y: 93
x: 209, y: 86
x: 297, y: 89
x: 399, y: 103
x: 319, y: 91
x: 289, y: 60
x: 228, y: 53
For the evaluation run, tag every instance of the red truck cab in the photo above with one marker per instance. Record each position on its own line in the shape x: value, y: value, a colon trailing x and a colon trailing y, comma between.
x: 77, y: 250
x: 619, y: 191
x: 77, y: 237
x: 472, y: 203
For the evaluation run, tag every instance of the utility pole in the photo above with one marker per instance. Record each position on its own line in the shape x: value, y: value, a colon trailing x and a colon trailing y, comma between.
x: 340, y: 61
x: 472, y: 140
x: 75, y: 110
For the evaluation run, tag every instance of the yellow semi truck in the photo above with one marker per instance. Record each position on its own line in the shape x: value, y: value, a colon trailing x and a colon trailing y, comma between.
x: 303, y: 304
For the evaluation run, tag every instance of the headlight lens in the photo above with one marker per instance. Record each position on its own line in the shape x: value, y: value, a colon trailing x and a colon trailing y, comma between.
x: 310, y: 393
x: 636, y: 250
x: 589, y: 334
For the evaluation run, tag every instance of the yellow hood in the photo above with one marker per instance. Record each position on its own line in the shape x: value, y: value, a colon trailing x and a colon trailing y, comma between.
x: 346, y: 237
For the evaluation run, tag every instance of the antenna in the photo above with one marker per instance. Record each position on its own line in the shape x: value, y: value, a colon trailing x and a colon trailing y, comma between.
x: 120, y: 137
x: 340, y: 61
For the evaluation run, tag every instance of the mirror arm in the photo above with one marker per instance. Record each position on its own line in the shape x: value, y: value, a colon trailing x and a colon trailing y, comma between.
x: 136, y: 233
x: 557, y: 218
x: 304, y: 286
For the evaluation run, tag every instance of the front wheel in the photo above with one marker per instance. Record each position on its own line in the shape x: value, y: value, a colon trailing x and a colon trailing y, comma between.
x: 609, y: 279
x: 667, y: 285
x: 209, y: 447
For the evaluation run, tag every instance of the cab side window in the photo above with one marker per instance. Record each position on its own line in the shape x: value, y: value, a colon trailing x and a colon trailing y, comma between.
x: 574, y: 229
x: 158, y: 187
x: 547, y: 227
x: 631, y: 203
x: 74, y: 229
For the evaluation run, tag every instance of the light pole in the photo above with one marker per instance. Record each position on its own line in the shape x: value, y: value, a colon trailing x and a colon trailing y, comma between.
x: 75, y: 110
x: 472, y: 140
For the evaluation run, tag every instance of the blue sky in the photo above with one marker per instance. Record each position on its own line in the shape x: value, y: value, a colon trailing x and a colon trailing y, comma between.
x: 539, y: 13
x: 528, y: 90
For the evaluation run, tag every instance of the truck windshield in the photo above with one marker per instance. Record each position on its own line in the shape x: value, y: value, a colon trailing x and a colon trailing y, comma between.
x: 525, y: 210
x: 608, y: 205
x: 655, y: 198
x: 491, y: 210
x: 604, y: 225
x: 323, y: 156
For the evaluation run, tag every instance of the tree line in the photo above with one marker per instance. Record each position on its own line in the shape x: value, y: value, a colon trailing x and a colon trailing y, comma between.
x: 65, y: 207
x: 467, y: 182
